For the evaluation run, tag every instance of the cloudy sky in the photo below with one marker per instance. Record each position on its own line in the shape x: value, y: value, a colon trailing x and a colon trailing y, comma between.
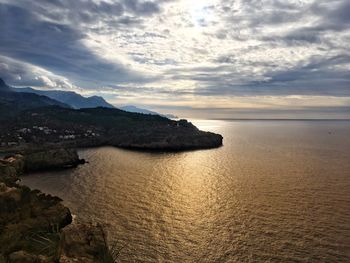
x: 207, y: 58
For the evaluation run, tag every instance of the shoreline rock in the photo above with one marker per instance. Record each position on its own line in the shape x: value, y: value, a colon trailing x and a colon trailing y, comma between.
x: 51, y: 160
x: 33, y: 224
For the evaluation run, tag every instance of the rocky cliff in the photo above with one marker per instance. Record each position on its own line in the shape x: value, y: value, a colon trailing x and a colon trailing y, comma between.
x: 51, y: 159
x: 105, y: 127
x: 32, y: 224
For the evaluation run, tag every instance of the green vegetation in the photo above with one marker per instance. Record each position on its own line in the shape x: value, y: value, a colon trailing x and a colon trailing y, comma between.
x: 103, y: 126
x: 47, y: 243
x: 28, y: 120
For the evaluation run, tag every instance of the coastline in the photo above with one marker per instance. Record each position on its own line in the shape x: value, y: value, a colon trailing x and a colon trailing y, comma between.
x: 36, y: 227
x: 43, y: 219
x: 209, y: 141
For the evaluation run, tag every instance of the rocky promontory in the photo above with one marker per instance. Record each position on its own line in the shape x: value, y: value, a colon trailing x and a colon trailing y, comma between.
x: 59, y: 158
x: 71, y: 128
x: 183, y: 136
x: 33, y: 224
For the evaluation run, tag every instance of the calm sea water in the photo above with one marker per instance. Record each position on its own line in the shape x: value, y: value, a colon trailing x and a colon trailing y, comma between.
x: 277, y: 191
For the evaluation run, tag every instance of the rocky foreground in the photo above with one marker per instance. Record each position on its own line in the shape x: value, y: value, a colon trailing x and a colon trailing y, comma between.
x: 36, y: 227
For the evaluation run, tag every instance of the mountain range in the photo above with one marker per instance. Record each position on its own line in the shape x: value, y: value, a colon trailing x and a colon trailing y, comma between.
x: 75, y: 100
x: 31, y: 98
x: 28, y: 119
x: 131, y: 108
x: 13, y: 102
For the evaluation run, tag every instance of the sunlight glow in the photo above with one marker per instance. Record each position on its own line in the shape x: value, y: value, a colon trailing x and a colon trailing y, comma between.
x: 199, y: 12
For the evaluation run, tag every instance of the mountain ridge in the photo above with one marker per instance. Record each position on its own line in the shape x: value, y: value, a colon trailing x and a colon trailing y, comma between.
x: 4, y: 86
x: 71, y: 98
x: 77, y: 101
x: 132, y: 108
x: 13, y: 102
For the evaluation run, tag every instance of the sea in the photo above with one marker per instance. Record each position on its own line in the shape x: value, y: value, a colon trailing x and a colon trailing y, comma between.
x: 276, y: 191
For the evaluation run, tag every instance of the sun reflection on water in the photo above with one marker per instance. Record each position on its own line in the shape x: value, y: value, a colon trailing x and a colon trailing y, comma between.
x: 276, y: 191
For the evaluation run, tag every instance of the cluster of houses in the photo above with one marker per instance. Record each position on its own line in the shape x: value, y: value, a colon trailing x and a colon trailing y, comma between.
x: 21, y: 135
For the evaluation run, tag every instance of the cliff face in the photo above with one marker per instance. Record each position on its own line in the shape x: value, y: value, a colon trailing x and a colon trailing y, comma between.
x: 51, y: 159
x: 31, y: 222
x: 102, y: 127
x: 167, y: 139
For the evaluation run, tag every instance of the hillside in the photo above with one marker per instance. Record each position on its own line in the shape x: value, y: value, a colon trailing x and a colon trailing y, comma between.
x: 31, y: 120
x: 11, y: 103
x: 103, y: 126
x: 73, y: 99
x: 77, y: 101
x: 131, y: 108
x: 3, y: 86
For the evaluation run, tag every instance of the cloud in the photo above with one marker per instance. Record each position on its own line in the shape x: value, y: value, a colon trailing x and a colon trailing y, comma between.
x: 23, y: 74
x: 195, y: 50
x: 58, y: 47
x: 142, y: 8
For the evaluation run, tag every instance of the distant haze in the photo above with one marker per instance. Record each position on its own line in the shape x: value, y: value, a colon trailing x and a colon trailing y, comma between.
x: 199, y: 59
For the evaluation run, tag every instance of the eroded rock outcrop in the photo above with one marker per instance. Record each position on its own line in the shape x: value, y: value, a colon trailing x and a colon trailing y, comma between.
x: 31, y: 222
x: 51, y: 159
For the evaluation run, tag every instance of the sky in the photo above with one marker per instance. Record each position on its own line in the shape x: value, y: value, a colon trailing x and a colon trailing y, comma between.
x: 197, y: 59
